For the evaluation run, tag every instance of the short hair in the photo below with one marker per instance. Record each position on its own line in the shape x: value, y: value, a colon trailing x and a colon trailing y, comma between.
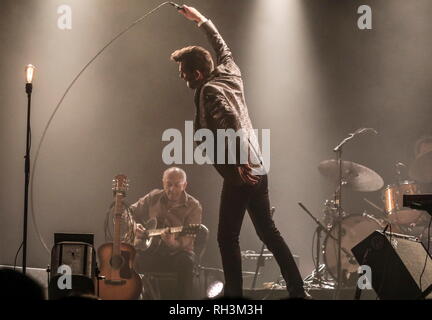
x: 194, y: 58
x: 420, y: 141
x: 176, y: 170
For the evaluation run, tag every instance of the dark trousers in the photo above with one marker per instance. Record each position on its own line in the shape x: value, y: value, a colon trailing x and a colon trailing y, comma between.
x: 181, y: 263
x: 235, y: 200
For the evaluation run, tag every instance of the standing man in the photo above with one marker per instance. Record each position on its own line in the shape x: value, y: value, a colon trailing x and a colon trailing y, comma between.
x: 220, y: 104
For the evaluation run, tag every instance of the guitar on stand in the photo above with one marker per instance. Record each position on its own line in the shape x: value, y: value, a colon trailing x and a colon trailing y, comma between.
x: 119, y: 279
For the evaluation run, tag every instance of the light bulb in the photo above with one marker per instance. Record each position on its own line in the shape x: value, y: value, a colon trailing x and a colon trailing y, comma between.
x: 29, y: 70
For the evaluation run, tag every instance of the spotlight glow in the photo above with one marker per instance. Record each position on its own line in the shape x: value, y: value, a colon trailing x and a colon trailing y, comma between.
x: 214, y: 289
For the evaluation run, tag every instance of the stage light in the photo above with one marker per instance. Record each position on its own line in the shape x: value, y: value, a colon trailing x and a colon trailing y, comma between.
x: 214, y: 289
x: 29, y: 70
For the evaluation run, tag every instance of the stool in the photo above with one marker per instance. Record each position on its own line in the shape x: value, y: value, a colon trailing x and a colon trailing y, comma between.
x: 159, y: 285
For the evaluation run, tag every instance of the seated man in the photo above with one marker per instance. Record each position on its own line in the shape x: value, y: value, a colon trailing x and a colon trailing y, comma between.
x: 170, y: 207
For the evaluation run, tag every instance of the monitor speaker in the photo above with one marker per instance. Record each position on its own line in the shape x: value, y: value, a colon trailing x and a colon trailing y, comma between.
x: 76, y: 252
x: 401, y: 268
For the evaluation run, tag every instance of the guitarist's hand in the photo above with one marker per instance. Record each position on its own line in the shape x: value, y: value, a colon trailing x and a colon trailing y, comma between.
x: 170, y: 240
x: 139, y: 231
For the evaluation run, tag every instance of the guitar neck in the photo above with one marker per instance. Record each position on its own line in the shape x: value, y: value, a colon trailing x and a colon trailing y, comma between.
x: 117, y: 223
x: 158, y: 232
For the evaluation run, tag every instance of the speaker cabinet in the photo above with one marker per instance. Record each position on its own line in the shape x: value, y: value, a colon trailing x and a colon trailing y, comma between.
x: 397, y: 264
x: 79, y: 257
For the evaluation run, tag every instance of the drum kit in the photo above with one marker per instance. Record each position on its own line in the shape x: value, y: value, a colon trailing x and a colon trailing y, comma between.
x: 355, y: 227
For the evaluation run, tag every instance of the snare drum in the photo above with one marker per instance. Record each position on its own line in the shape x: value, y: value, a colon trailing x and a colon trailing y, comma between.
x: 393, y: 200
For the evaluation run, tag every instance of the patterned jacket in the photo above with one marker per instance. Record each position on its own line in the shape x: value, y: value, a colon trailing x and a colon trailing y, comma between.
x: 220, y: 104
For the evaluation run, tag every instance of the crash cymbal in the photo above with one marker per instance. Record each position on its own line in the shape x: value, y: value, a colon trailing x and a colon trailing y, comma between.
x: 421, y: 168
x: 354, y: 175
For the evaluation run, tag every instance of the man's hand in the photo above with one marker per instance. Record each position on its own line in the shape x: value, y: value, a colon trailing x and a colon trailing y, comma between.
x: 246, y: 175
x: 139, y: 231
x: 192, y: 14
x: 169, y: 239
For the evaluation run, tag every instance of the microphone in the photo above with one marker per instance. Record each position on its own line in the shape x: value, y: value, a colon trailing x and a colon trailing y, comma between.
x: 175, y: 5
x: 352, y: 135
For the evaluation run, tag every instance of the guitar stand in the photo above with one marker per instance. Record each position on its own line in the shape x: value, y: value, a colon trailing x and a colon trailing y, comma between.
x: 48, y: 271
x: 98, y: 278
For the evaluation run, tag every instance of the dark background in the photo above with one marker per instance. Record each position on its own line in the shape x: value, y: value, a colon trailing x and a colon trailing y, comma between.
x: 311, y: 76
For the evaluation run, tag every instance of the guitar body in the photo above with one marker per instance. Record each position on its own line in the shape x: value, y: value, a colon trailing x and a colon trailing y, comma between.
x: 121, y: 281
x: 150, y: 244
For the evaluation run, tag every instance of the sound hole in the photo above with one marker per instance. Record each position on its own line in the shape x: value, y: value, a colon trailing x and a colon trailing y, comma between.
x: 116, y: 262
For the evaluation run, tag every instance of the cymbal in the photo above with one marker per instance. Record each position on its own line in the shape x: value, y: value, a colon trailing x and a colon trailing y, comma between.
x: 421, y: 168
x: 354, y: 175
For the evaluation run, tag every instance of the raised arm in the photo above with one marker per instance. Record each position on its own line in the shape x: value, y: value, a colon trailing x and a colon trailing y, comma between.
x: 223, y: 53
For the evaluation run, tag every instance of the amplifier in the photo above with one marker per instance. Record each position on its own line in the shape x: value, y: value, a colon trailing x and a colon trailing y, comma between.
x: 268, y: 273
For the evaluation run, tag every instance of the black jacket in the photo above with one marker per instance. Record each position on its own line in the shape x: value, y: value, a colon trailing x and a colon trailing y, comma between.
x: 220, y: 104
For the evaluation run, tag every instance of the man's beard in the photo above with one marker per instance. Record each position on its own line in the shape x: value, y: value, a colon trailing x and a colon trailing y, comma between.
x: 193, y: 84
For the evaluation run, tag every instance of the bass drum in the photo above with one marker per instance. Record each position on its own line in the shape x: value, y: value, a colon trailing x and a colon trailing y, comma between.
x: 355, y: 228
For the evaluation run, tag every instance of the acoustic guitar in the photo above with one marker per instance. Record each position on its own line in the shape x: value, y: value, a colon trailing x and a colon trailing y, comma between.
x: 116, y: 259
x: 150, y: 240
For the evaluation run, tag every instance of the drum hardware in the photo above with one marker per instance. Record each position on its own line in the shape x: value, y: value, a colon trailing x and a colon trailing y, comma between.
x: 330, y: 212
x: 399, y: 165
x: 321, y: 272
x: 357, y: 177
x: 319, y: 279
x: 381, y: 210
